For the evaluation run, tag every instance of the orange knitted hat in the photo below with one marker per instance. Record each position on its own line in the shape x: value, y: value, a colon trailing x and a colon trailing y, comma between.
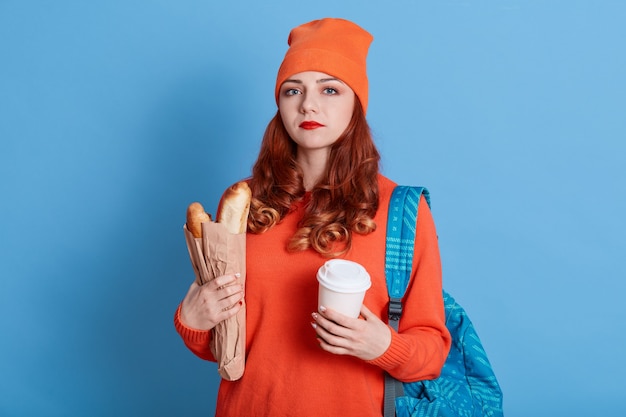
x: 337, y: 47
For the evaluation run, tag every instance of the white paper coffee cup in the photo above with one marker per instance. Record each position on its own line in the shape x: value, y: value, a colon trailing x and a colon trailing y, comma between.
x: 342, y: 286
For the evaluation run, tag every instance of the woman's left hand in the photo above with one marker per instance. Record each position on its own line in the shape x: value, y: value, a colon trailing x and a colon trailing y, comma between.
x: 365, y: 338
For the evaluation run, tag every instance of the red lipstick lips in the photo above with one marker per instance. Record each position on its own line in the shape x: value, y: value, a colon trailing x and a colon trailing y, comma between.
x: 310, y: 125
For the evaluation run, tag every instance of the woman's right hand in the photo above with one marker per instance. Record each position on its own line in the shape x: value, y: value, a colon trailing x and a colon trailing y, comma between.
x: 207, y: 305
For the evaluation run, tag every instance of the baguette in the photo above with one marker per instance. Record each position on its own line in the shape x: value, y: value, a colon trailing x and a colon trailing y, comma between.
x: 195, y: 217
x: 233, y: 213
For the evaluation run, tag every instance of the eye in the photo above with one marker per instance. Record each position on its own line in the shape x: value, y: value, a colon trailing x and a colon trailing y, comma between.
x: 330, y: 91
x: 291, y: 92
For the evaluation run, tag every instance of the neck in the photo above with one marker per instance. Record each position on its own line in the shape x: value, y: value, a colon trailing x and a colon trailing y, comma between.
x: 313, y: 165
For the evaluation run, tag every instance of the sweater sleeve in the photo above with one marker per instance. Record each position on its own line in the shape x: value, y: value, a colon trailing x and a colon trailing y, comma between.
x: 419, y: 350
x: 196, y: 340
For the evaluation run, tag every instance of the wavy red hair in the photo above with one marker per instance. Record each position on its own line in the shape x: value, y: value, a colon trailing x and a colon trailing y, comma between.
x: 343, y: 202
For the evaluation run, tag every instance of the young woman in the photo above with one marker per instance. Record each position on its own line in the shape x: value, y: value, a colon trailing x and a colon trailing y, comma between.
x: 318, y: 194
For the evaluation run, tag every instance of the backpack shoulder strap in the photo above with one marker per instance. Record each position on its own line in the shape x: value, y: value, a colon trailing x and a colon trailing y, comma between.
x: 399, y: 244
x: 400, y: 241
x: 467, y: 379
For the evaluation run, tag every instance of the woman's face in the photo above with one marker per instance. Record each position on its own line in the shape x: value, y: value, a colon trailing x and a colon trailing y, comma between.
x: 316, y: 109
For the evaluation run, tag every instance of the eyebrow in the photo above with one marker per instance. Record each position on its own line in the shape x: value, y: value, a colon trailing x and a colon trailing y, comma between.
x: 320, y: 81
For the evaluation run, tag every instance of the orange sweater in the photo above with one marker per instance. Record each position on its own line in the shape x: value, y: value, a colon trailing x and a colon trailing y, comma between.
x: 287, y: 374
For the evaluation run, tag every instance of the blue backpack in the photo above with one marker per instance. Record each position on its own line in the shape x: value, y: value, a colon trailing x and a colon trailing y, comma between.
x: 467, y: 386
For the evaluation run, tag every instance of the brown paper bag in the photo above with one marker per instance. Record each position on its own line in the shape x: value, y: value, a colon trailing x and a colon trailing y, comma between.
x: 217, y: 253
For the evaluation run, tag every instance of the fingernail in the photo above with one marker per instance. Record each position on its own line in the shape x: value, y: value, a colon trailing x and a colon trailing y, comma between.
x: 314, y: 325
x: 238, y: 275
x: 322, y: 309
x: 314, y: 315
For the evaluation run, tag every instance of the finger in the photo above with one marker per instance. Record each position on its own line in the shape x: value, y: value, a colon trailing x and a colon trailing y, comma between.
x: 331, y: 332
x: 230, y: 311
x: 218, y: 299
x: 230, y: 295
x: 366, y: 313
x: 330, y: 342
x: 225, y: 280
x: 336, y: 317
x: 227, y: 305
x: 332, y: 348
x: 215, y: 290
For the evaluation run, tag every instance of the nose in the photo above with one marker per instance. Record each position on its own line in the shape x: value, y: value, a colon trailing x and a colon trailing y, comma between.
x: 308, y: 104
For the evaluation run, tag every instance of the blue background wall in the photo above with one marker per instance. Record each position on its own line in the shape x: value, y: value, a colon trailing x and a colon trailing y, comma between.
x: 115, y: 115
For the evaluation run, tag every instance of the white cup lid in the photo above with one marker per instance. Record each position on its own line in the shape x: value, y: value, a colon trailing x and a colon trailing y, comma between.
x: 344, y: 276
